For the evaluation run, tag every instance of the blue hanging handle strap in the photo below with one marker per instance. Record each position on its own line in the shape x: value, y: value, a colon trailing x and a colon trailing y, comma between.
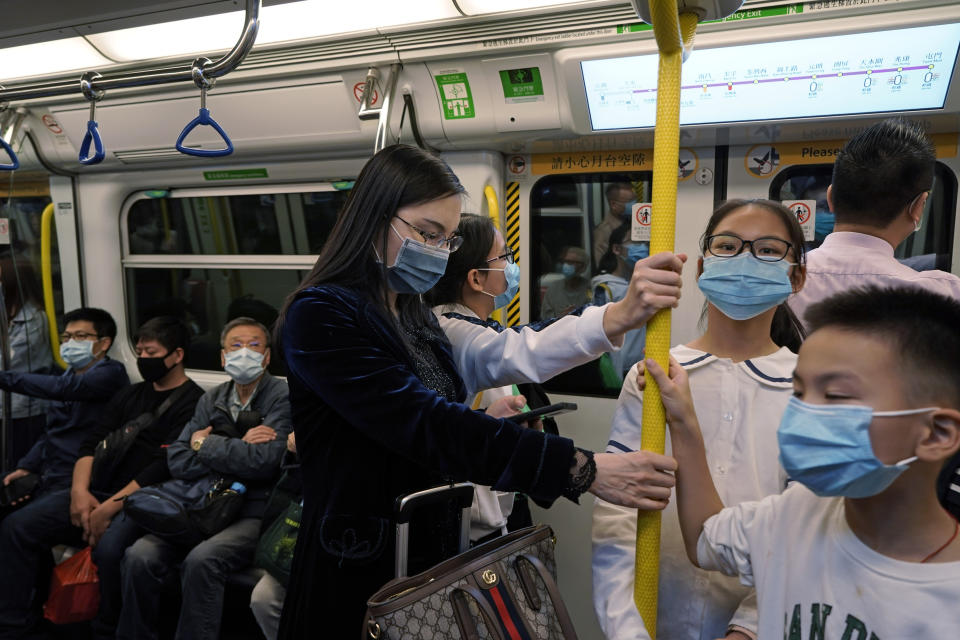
x: 93, y: 130
x: 14, y: 163
x: 93, y: 135
x: 14, y: 160
x: 203, y: 119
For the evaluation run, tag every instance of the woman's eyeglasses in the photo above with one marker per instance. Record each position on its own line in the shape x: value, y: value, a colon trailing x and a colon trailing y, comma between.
x: 435, y: 239
x: 508, y: 256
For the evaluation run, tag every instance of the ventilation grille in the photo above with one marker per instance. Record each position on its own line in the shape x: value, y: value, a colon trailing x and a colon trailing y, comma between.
x: 136, y: 156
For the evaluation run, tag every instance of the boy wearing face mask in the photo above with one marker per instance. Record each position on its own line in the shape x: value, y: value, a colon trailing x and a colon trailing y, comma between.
x: 858, y: 546
x: 82, y: 513
x: 79, y: 396
x: 206, y: 450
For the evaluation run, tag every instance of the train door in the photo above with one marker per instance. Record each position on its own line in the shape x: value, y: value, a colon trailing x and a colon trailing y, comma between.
x: 798, y: 173
x: 567, y: 205
x: 35, y: 204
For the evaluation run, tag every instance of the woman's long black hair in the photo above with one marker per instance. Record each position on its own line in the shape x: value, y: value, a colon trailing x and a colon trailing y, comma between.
x: 786, y: 330
x: 478, y: 235
x: 397, y: 176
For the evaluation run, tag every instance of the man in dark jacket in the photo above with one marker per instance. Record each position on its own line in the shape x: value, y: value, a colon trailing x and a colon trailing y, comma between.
x: 83, y: 512
x: 79, y: 396
x: 206, y: 450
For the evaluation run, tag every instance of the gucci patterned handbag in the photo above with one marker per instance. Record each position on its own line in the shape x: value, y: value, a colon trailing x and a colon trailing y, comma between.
x: 504, y: 589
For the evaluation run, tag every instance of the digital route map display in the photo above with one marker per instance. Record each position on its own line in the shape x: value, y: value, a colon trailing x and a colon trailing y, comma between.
x: 895, y: 70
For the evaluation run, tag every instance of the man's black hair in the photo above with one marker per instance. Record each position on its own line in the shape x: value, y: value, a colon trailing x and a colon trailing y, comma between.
x: 169, y: 331
x: 881, y: 171
x: 103, y: 322
x: 923, y: 329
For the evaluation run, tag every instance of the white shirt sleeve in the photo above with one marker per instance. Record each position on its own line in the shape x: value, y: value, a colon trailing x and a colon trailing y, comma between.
x: 615, y: 533
x: 487, y: 358
x: 732, y: 538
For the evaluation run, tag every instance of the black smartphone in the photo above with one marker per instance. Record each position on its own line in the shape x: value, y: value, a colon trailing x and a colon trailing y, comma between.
x: 543, y: 412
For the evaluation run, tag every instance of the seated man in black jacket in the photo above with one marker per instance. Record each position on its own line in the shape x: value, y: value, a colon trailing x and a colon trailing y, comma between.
x: 83, y: 512
x: 207, y: 450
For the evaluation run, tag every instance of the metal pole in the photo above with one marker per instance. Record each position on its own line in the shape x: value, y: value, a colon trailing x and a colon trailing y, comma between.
x: 5, y: 360
x: 221, y: 67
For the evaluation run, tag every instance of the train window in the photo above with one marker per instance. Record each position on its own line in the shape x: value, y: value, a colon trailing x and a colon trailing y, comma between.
x: 929, y: 248
x: 211, y: 258
x: 259, y: 224
x: 206, y: 299
x: 572, y: 220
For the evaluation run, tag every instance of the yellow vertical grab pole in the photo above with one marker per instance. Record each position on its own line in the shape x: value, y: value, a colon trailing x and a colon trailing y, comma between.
x: 672, y: 32
x: 46, y: 271
x: 493, y: 210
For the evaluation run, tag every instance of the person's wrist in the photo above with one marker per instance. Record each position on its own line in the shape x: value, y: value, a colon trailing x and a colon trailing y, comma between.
x: 615, y: 320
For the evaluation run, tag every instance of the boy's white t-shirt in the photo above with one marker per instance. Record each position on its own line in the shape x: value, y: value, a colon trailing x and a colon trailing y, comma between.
x: 816, y: 579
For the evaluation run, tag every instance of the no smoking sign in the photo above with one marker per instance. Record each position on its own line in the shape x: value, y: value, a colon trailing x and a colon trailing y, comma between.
x: 640, y: 222
x: 806, y: 212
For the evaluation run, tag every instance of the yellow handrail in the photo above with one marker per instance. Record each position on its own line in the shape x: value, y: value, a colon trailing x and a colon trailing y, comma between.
x: 673, y: 32
x: 493, y: 210
x: 46, y: 231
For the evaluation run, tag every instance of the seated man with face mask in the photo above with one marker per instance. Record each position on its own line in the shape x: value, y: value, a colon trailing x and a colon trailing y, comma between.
x: 79, y: 397
x: 136, y: 424
x: 220, y: 441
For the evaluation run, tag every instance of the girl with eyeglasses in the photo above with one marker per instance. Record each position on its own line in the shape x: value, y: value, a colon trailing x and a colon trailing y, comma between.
x: 376, y: 394
x: 740, y: 371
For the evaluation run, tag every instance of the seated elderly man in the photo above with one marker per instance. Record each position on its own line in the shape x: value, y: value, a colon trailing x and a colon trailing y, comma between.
x: 202, y: 452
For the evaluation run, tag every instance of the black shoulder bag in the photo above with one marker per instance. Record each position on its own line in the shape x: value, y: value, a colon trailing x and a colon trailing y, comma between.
x: 111, y: 450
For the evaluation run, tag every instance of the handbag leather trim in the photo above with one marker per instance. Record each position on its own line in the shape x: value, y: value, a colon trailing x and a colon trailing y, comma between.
x: 465, y: 621
x: 399, y: 594
x: 563, y: 616
x: 527, y: 583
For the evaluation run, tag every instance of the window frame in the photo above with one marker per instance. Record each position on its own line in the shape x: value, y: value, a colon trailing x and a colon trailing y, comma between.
x: 275, y: 261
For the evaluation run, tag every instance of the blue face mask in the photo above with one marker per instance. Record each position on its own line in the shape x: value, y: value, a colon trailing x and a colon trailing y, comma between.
x: 826, y: 447
x: 77, y: 353
x: 637, y: 252
x: 743, y: 287
x: 628, y: 209
x: 568, y: 270
x: 243, y: 365
x: 417, y: 268
x: 823, y: 225
x: 512, y: 273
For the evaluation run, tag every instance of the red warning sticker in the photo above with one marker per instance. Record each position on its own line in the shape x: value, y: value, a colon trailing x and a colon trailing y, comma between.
x: 52, y: 124
x: 358, y: 93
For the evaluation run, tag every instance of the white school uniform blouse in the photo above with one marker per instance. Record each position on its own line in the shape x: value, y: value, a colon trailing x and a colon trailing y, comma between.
x: 739, y: 407
x: 491, y: 358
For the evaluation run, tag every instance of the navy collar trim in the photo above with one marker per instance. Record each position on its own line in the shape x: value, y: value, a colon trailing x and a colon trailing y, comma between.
x: 761, y: 374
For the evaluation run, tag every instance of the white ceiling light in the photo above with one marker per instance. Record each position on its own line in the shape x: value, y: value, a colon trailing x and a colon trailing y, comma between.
x: 278, y: 23
x: 49, y: 57
x: 477, y: 7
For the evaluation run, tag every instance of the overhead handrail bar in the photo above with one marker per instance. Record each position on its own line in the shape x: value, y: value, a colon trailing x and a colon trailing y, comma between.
x: 93, y: 130
x: 13, y: 120
x: 166, y: 75
x: 204, y: 119
x: 369, y: 96
x: 383, y: 127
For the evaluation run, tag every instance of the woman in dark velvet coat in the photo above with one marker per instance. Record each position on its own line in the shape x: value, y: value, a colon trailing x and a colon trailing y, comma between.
x: 375, y: 396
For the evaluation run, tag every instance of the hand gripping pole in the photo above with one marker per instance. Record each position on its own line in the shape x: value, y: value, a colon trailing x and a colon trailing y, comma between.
x: 672, y: 32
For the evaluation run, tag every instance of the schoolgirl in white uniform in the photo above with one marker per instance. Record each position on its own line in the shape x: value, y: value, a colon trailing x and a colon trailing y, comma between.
x: 481, y: 277
x: 740, y: 373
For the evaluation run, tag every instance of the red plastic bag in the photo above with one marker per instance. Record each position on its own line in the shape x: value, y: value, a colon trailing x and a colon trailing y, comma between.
x: 74, y: 590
